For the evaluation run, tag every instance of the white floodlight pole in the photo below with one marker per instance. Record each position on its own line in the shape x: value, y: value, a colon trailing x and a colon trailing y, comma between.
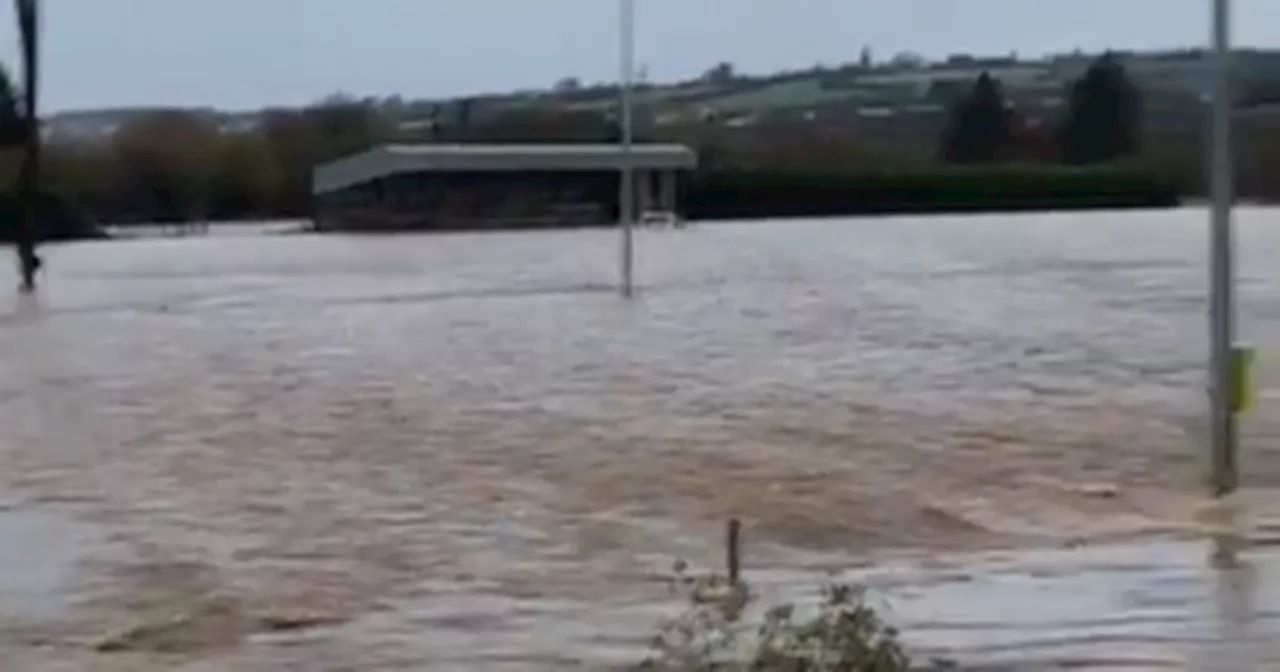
x: 1225, y: 476
x: 626, y: 188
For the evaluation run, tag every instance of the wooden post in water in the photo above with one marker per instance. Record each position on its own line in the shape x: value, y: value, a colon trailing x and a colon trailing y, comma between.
x: 29, y: 177
x: 733, y: 552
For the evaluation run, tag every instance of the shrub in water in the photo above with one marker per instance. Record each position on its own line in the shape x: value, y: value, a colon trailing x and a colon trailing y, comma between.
x: 845, y: 635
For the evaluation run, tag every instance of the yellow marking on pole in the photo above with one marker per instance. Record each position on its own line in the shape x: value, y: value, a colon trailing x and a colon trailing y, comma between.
x: 1242, y: 392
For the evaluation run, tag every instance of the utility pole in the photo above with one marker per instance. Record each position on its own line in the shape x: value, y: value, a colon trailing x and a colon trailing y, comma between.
x: 29, y: 176
x: 1224, y: 370
x: 626, y: 186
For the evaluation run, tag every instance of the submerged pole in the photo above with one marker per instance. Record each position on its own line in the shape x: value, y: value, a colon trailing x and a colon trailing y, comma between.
x: 626, y: 182
x: 1224, y: 476
x: 29, y: 175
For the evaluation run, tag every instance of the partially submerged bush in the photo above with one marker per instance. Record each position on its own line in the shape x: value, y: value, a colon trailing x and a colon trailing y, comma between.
x: 845, y: 635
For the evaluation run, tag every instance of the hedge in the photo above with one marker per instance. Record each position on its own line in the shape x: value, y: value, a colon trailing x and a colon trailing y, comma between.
x: 744, y: 194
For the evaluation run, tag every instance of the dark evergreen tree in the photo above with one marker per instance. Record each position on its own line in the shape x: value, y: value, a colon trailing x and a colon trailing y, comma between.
x: 1104, y: 115
x: 978, y: 130
x: 12, y: 128
x: 462, y: 124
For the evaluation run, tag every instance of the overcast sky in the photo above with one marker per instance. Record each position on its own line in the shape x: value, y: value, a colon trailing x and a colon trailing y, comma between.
x: 250, y: 53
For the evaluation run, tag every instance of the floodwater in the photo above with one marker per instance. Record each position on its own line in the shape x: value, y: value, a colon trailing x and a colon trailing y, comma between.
x: 1155, y: 605
x: 466, y: 452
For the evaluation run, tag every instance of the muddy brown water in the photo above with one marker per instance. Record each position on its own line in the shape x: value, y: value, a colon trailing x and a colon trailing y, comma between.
x: 466, y: 452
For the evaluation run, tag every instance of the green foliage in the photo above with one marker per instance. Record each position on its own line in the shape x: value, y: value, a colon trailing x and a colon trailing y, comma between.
x: 175, y: 165
x: 56, y: 220
x: 845, y: 634
x: 535, y: 126
x: 163, y: 161
x: 730, y: 194
x: 12, y: 127
x: 978, y: 128
x: 1103, y: 121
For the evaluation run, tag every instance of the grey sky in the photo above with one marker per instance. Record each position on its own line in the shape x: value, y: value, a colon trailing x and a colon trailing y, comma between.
x: 248, y: 53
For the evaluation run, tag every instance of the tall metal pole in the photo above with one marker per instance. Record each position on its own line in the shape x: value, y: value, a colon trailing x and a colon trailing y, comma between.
x: 626, y: 184
x: 29, y: 177
x: 1225, y: 477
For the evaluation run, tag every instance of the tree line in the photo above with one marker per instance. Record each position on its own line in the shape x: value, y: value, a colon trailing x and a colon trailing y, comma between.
x: 176, y: 165
x: 1102, y: 122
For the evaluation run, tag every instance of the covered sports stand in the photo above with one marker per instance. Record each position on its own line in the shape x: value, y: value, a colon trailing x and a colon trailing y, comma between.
x: 443, y: 187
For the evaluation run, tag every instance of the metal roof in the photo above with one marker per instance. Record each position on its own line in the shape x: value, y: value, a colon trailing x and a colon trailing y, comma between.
x: 388, y: 160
